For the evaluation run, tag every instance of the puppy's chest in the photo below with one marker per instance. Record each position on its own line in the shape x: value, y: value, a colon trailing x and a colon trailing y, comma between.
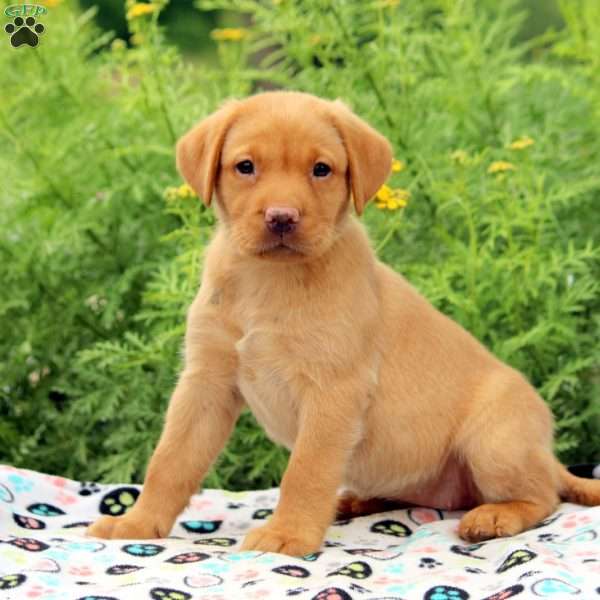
x: 288, y: 345
x: 269, y: 380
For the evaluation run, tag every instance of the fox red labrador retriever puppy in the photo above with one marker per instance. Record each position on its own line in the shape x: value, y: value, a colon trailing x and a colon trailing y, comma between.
x: 337, y: 356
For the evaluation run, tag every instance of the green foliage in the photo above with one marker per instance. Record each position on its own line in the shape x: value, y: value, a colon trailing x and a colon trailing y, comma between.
x: 99, y: 264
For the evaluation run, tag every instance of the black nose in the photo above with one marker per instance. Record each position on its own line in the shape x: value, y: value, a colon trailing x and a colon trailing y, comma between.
x: 281, y: 225
x: 281, y: 220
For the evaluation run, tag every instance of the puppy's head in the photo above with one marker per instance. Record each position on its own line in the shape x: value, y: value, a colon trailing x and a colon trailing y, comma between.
x: 283, y: 166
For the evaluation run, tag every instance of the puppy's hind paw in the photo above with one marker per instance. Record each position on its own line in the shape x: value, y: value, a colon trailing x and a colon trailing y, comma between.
x: 490, y: 521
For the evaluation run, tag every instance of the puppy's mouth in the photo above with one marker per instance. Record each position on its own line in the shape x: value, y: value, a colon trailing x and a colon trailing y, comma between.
x: 280, y: 247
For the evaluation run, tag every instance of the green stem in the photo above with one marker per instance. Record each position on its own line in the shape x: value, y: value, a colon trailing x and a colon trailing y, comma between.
x: 391, y: 231
x: 161, y: 88
x: 382, y: 103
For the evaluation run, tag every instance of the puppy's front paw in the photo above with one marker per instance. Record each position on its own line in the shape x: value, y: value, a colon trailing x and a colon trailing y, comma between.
x: 127, y: 527
x: 271, y: 538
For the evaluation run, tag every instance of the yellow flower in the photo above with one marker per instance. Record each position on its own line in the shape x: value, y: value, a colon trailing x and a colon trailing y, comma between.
x: 51, y: 3
x: 139, y: 9
x: 118, y: 44
x: 384, y: 193
x: 182, y: 191
x: 137, y: 39
x: 521, y: 143
x: 391, y: 199
x: 388, y: 3
x: 185, y: 191
x: 314, y: 39
x: 228, y: 34
x: 397, y: 166
x: 460, y: 156
x: 499, y: 166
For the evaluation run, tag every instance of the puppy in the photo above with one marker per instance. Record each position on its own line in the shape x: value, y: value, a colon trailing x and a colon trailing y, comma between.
x: 338, y: 357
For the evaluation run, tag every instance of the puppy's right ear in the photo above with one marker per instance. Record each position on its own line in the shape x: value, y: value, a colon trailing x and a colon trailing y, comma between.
x: 199, y: 150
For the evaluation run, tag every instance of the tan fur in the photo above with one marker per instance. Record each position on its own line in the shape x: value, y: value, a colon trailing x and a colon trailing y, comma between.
x: 339, y: 358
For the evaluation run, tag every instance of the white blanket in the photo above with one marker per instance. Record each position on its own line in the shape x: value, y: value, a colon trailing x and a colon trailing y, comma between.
x: 403, y: 554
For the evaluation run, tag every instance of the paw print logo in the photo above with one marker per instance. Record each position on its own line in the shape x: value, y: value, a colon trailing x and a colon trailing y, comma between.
x: 356, y: 570
x: 160, y: 593
x: 291, y: 571
x: 332, y: 593
x: 390, y: 527
x: 118, y: 501
x: 24, y: 31
x: 8, y: 582
x: 429, y: 563
x: 28, y: 522
x: 446, y: 592
x: 188, y: 557
x: 29, y: 544
x: 41, y: 509
x: 122, y: 569
x: 87, y: 488
x: 143, y: 549
x: 201, y: 526
x: 217, y: 541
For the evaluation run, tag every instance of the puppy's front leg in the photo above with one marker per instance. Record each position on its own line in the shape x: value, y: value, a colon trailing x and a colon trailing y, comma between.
x: 201, y: 415
x: 330, y: 426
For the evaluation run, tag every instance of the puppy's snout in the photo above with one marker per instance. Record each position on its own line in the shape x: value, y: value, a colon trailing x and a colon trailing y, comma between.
x: 281, y: 219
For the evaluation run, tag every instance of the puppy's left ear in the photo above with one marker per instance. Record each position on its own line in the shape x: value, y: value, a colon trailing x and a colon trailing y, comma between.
x: 199, y: 150
x: 369, y: 154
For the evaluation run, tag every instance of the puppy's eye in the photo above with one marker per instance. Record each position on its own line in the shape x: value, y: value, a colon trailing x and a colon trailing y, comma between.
x: 245, y: 167
x: 321, y: 170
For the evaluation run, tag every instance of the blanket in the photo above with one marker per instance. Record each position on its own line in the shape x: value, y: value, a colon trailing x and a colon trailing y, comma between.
x: 402, y: 554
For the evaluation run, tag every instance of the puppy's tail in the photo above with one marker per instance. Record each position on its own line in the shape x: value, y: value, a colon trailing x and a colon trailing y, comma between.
x: 579, y: 490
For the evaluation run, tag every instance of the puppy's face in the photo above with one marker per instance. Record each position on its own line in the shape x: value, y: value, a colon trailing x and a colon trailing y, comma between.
x: 282, y: 185
x: 283, y: 166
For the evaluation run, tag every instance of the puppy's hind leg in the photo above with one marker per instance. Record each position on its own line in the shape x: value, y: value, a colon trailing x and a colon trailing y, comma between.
x: 514, y: 471
x: 514, y: 498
